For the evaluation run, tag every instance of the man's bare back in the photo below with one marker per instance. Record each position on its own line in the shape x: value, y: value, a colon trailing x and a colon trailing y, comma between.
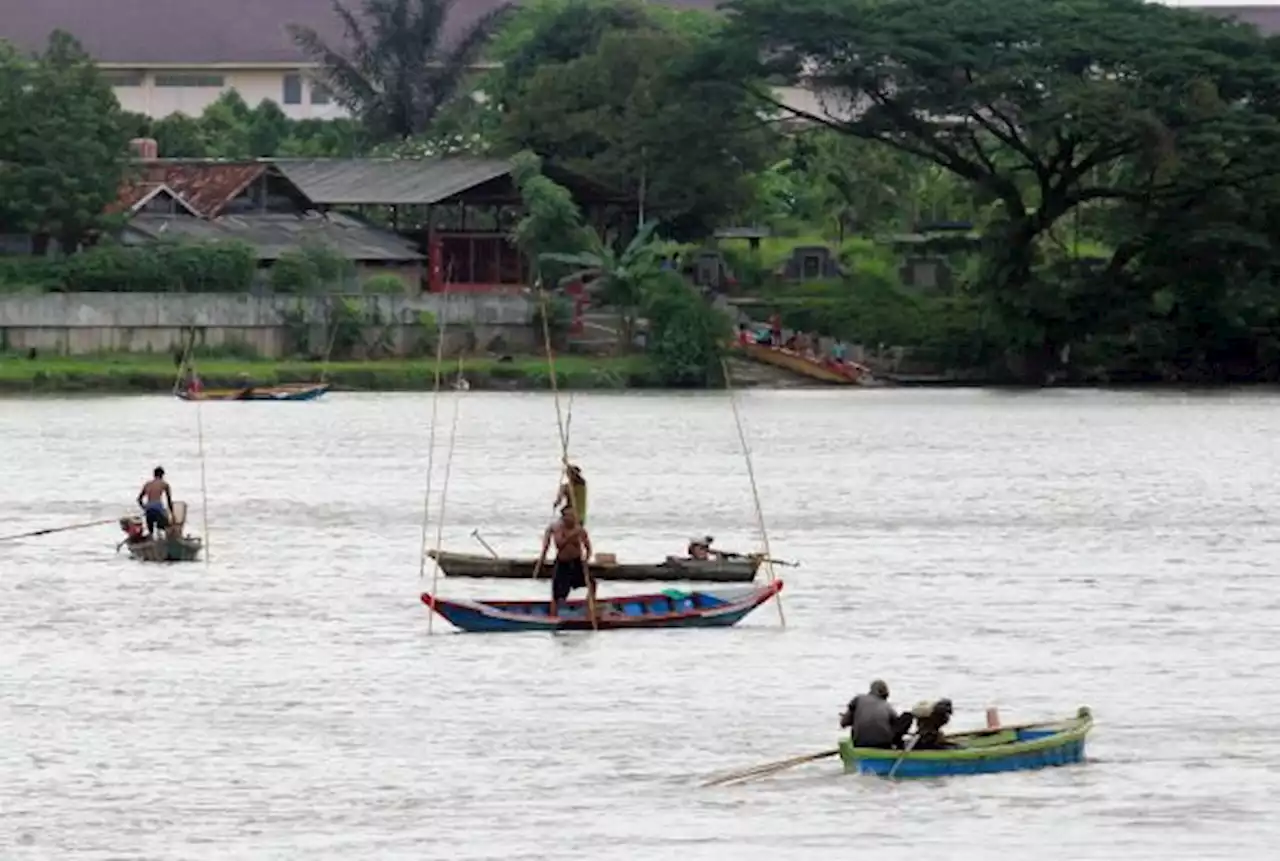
x: 155, y: 490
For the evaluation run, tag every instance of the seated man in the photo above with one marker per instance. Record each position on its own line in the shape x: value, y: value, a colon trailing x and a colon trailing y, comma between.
x: 871, y: 721
x: 930, y: 719
x: 699, y: 548
x: 133, y: 532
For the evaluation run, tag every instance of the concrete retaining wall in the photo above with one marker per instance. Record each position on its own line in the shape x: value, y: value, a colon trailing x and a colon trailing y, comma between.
x: 82, y: 323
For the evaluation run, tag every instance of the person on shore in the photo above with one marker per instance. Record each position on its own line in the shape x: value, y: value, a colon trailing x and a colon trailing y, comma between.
x: 872, y: 722
x: 573, y: 551
x: 152, y: 498
x: 573, y: 492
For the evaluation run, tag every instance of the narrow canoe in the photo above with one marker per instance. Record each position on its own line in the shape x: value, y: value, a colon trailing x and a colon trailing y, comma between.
x: 185, y: 549
x: 845, y: 374
x: 1021, y: 748
x: 673, y: 570
x: 285, y: 392
x: 719, y: 609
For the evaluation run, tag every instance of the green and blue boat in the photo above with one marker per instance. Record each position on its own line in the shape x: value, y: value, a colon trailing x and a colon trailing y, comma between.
x: 1029, y: 747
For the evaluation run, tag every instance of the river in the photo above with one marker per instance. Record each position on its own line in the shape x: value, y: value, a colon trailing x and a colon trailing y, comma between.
x: 1033, y: 551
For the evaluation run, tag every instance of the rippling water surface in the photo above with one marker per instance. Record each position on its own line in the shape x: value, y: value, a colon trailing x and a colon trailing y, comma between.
x: 1033, y: 551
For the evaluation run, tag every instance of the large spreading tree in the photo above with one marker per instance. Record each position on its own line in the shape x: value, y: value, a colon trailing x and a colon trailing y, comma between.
x: 1044, y: 108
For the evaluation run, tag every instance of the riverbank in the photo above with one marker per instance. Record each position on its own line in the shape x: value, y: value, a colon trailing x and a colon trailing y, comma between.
x: 118, y: 374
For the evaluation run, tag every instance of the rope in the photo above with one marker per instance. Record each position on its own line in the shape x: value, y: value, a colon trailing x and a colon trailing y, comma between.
x: 204, y: 491
x: 431, y: 451
x: 755, y: 492
x: 444, y: 492
x: 333, y: 339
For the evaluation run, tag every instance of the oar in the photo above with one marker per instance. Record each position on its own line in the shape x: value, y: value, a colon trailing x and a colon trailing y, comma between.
x: 475, y: 533
x: 756, y: 772
x: 906, y: 749
x: 781, y: 562
x: 57, y: 529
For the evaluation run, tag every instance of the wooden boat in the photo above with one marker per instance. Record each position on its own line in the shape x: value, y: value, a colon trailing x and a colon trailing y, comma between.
x: 172, y: 545
x: 837, y: 373
x: 670, y: 609
x: 283, y: 392
x: 674, y: 569
x: 1022, y: 748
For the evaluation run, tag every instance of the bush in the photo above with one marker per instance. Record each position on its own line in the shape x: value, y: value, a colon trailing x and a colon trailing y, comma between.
x: 686, y: 335
x: 384, y: 284
x: 313, y: 269
x: 167, y: 267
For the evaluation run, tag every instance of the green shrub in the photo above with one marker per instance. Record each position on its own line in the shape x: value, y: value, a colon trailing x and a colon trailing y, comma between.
x: 686, y: 334
x: 384, y: 284
x: 212, y: 267
x: 294, y: 272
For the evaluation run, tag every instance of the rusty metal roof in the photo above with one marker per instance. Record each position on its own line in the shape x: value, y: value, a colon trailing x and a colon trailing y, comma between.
x: 205, y: 186
x: 273, y: 234
x: 388, y: 182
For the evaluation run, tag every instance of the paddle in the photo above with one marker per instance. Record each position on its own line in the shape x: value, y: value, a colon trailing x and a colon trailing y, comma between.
x: 756, y: 772
x: 57, y: 529
x: 475, y: 533
x: 781, y: 562
x: 906, y: 749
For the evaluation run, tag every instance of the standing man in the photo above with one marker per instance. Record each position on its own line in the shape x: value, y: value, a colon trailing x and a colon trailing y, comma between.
x: 574, y: 493
x: 153, y: 496
x: 573, y: 552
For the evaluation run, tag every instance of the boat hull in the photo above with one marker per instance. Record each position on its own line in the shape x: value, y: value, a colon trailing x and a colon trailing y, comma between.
x: 673, y: 570
x: 1026, y: 748
x: 288, y: 392
x: 699, y: 609
x: 186, y: 549
x: 848, y: 374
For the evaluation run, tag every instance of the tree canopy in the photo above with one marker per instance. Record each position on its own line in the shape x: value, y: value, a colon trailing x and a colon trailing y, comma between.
x: 396, y: 72
x: 603, y: 90
x: 62, y: 144
x: 1138, y: 110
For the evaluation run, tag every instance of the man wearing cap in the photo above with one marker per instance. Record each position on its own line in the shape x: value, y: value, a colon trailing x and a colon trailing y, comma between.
x: 871, y: 721
x: 931, y: 717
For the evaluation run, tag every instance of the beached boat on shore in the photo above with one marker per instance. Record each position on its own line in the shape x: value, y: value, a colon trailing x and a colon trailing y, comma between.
x: 674, y: 569
x: 669, y: 609
x: 282, y: 392
x: 825, y: 370
x: 1027, y: 747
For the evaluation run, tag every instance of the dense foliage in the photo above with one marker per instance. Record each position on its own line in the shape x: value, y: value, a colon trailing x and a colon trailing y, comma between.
x: 62, y: 145
x: 216, y: 267
x: 1116, y: 162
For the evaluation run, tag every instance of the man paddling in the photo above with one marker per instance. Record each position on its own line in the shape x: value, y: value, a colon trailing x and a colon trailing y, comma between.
x: 153, y: 496
x: 573, y: 550
x: 872, y: 722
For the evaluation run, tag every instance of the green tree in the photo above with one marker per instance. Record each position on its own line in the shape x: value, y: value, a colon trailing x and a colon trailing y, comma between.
x: 620, y: 279
x: 607, y: 96
x: 1041, y: 107
x: 63, y: 143
x: 551, y: 223
x: 396, y: 73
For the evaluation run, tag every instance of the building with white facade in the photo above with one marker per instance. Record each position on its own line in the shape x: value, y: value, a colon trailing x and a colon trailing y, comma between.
x: 166, y: 56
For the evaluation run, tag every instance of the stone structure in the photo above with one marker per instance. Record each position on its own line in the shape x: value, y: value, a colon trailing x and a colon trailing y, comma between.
x: 271, y: 326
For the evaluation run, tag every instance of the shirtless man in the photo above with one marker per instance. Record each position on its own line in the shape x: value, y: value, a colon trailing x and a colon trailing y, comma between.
x: 156, y: 492
x: 573, y: 552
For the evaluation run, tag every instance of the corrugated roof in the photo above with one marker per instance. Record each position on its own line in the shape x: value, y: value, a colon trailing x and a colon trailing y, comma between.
x: 388, y: 182
x: 205, y: 186
x: 272, y: 235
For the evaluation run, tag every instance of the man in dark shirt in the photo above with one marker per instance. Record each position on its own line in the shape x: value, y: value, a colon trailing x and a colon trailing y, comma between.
x: 871, y: 721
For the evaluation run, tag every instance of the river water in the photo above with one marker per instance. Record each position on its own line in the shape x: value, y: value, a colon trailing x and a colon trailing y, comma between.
x: 1036, y: 552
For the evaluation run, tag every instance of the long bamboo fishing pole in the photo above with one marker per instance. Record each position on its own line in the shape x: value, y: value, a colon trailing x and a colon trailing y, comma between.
x: 431, y: 446
x: 564, y: 458
x: 755, y: 491
x: 444, y: 491
x: 39, y: 532
x: 188, y: 360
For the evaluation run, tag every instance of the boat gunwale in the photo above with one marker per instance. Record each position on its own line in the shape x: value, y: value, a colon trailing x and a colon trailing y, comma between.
x: 1073, y: 729
x: 751, y: 600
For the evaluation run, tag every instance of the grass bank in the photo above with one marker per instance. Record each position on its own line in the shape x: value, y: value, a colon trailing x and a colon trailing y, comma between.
x: 156, y: 373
